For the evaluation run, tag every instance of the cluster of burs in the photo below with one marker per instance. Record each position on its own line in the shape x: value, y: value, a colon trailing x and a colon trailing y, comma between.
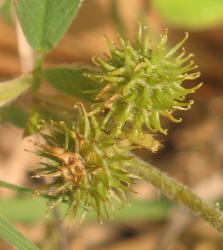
x: 87, y: 160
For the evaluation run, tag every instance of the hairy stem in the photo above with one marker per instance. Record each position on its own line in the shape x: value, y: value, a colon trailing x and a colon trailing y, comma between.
x: 179, y: 193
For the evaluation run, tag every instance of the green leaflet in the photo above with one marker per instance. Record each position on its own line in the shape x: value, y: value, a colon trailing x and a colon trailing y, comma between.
x: 44, y: 22
x: 14, y: 114
x: 190, y: 14
x: 5, y: 10
x: 70, y: 80
x: 10, y: 90
x: 10, y: 234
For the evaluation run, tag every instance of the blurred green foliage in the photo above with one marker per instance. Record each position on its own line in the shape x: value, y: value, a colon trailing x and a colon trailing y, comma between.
x: 190, y: 14
x: 32, y: 210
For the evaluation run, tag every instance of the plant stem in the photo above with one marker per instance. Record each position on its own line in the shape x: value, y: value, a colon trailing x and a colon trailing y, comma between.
x: 62, y: 234
x: 116, y: 18
x: 37, y: 72
x: 179, y: 193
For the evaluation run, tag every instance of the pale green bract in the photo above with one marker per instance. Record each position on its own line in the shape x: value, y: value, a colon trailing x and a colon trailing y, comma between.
x: 10, y: 90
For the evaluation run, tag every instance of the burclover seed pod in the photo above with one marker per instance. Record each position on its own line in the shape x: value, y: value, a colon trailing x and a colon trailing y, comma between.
x: 143, y: 82
x: 85, y: 168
